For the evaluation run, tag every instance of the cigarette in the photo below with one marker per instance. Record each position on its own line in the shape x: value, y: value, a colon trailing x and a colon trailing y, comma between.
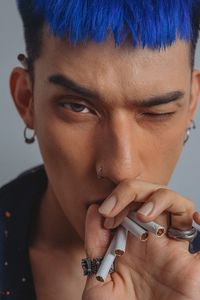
x: 135, y: 229
x: 150, y: 226
x: 121, y: 238
x: 107, y: 261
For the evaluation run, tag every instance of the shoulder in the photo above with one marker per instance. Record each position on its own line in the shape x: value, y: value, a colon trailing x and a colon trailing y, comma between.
x: 19, y: 201
x: 31, y: 181
x: 21, y: 196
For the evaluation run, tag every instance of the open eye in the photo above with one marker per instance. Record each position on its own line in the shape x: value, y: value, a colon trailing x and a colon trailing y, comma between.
x: 76, y: 107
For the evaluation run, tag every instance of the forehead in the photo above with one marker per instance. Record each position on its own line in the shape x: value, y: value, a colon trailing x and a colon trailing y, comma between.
x: 105, y: 65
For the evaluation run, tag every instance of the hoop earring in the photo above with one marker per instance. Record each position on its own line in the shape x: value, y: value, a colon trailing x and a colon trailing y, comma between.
x: 193, y: 126
x: 28, y: 140
x: 99, y: 173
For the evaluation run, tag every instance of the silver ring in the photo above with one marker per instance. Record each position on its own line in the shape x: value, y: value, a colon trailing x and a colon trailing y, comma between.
x: 179, y: 235
x: 91, y: 266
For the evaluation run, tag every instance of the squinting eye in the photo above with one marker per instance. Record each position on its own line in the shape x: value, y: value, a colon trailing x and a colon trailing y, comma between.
x: 159, y: 116
x: 76, y: 107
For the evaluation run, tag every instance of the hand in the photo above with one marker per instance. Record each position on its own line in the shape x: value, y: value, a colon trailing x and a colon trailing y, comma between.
x: 157, y: 269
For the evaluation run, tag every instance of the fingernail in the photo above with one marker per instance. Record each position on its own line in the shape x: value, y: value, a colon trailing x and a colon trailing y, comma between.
x: 146, y: 209
x: 108, y: 205
x: 109, y: 222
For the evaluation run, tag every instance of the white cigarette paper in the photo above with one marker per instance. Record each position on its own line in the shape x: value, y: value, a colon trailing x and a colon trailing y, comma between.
x: 150, y: 226
x: 135, y: 229
x: 107, y: 261
x: 121, y: 238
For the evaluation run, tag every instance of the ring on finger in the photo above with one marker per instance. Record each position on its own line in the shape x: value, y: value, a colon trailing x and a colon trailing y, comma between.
x: 179, y: 235
x: 91, y: 266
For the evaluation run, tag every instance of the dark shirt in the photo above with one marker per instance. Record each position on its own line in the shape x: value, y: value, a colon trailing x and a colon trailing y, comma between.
x: 19, y: 203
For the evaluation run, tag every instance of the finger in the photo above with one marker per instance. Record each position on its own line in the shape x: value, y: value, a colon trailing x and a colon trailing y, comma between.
x: 128, y: 191
x: 161, y: 200
x: 97, y: 239
x: 180, y: 208
x: 196, y: 217
x: 110, y: 223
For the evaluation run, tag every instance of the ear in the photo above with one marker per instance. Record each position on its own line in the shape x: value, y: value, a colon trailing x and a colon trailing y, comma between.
x: 22, y: 94
x: 195, y: 95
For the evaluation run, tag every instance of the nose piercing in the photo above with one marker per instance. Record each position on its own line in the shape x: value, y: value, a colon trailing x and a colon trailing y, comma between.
x: 99, y: 173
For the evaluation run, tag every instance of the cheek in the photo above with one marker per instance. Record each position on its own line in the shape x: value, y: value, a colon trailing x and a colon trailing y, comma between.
x: 161, y: 148
x: 68, y: 158
x: 66, y: 148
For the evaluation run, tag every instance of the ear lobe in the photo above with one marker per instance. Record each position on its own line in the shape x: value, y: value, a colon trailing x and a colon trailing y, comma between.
x: 21, y: 91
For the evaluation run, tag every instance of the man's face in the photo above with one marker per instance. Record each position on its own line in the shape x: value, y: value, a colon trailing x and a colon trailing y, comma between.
x: 124, y: 109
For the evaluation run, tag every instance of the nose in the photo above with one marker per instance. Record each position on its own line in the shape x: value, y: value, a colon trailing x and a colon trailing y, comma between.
x: 118, y: 149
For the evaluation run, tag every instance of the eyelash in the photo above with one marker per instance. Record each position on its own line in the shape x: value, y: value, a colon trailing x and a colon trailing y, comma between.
x: 76, y: 104
x: 148, y: 115
x: 159, y: 116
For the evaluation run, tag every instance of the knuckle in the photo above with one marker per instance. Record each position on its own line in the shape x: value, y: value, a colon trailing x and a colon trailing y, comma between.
x: 165, y: 191
x: 187, y: 205
x: 160, y: 192
x: 191, y: 207
x: 129, y: 184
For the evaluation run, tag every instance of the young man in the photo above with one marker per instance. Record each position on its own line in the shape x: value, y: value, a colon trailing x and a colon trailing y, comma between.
x: 110, y: 92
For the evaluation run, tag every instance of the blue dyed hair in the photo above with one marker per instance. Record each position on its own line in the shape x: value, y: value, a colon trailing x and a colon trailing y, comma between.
x: 151, y: 23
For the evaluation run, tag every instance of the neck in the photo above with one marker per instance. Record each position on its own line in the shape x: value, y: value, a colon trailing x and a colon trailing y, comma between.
x: 53, y: 231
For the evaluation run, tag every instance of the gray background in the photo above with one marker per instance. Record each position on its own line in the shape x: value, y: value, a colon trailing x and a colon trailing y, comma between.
x: 16, y: 156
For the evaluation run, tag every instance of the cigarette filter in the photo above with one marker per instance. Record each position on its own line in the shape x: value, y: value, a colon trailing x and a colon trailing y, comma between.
x: 107, y: 261
x: 135, y: 229
x: 121, y: 238
x: 150, y: 226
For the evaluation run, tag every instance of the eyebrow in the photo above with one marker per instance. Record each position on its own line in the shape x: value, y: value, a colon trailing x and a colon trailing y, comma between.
x: 71, y: 85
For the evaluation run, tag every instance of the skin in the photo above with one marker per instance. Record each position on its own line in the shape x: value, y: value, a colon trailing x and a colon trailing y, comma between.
x: 137, y: 149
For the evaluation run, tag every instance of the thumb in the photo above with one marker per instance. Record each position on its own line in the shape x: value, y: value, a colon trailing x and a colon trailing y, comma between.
x: 97, y: 240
